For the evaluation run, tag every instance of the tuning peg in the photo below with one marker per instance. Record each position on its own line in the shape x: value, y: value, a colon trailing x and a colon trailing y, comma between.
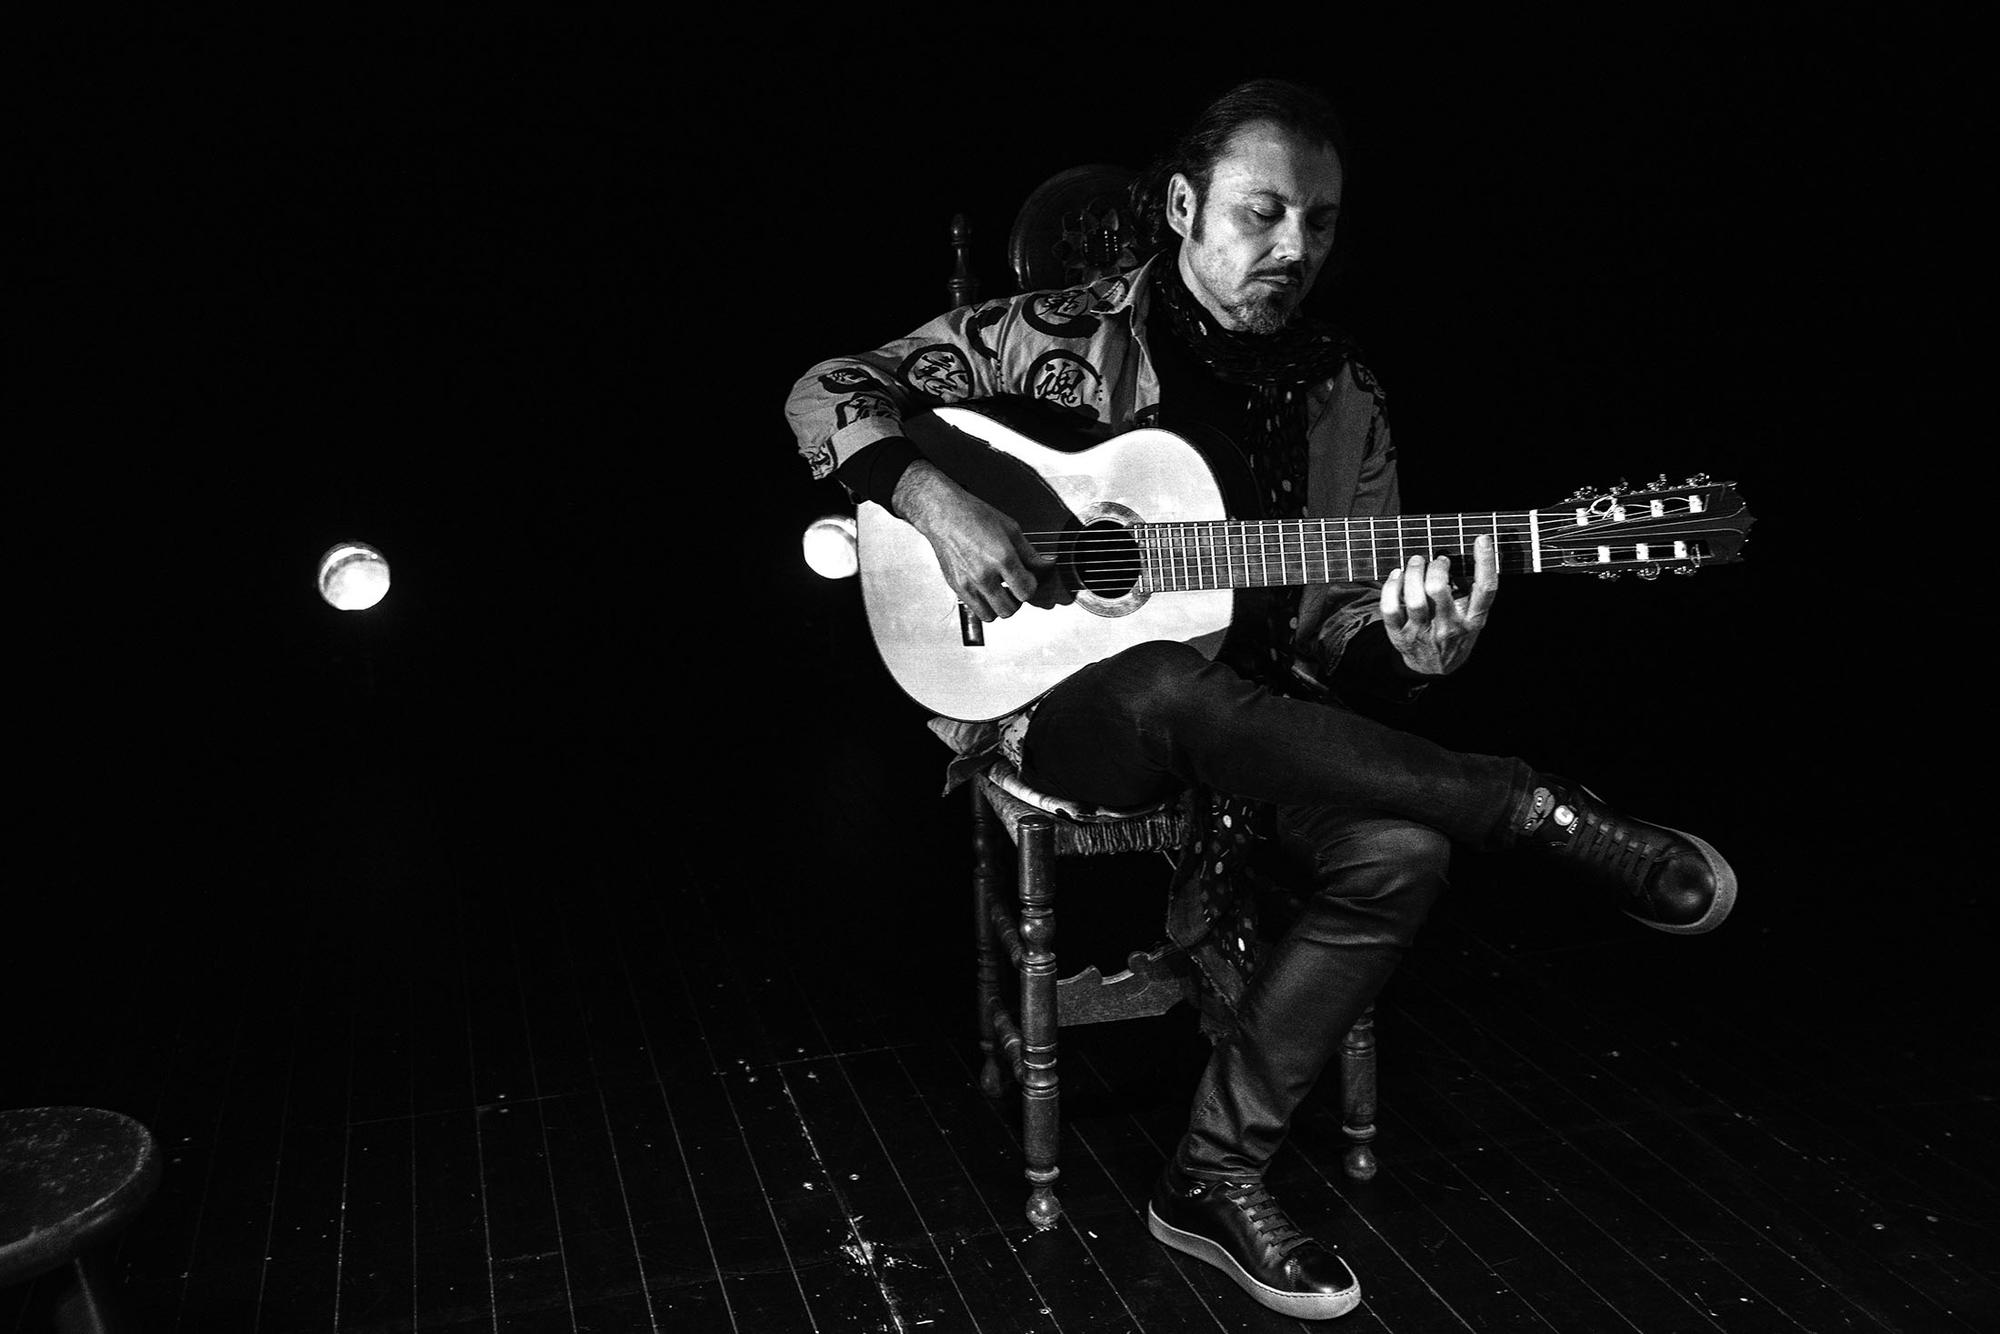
x: 1661, y: 483
x: 1687, y: 569
x: 1609, y: 574
x: 1649, y: 572
x: 1699, y: 479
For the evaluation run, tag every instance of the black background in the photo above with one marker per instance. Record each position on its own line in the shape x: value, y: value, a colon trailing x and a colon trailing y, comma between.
x: 519, y: 300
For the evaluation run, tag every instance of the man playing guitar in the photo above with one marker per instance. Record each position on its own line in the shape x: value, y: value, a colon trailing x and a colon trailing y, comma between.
x: 1206, y: 339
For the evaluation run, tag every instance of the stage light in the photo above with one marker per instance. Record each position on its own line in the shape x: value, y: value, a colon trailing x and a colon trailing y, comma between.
x: 829, y: 546
x: 353, y: 576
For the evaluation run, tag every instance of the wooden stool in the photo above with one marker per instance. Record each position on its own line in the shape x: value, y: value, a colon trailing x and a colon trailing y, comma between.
x: 71, y: 1178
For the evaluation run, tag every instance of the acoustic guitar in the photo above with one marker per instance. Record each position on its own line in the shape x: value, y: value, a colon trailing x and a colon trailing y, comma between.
x: 1142, y: 534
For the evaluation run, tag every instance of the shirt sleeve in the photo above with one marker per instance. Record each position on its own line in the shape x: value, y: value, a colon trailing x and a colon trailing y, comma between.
x: 842, y: 406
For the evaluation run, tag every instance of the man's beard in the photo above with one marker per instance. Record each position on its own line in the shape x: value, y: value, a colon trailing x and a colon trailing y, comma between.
x: 1262, y: 313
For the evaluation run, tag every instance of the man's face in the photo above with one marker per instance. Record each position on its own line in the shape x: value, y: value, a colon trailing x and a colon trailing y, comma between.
x: 1252, y: 246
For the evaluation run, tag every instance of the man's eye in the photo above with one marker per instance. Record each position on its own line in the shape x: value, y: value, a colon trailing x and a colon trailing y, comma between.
x: 1268, y: 217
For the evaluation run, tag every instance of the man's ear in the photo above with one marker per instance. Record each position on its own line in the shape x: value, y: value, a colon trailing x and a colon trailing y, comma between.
x: 1180, y: 204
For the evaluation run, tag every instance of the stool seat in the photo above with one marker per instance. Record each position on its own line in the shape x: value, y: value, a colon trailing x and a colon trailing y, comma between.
x: 70, y: 1178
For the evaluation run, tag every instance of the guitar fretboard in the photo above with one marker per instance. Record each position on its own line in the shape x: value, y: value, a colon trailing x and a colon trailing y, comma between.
x: 1266, y: 553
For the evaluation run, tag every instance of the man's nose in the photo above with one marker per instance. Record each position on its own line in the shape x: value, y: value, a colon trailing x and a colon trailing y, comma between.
x: 1288, y: 243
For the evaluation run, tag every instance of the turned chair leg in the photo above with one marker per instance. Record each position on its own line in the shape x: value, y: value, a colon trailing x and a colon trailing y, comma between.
x: 985, y: 885
x: 1040, y: 1110
x: 1357, y: 1084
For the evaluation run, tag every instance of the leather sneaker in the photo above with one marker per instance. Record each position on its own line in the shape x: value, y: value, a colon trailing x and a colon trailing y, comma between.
x: 1668, y: 880
x: 1238, y: 1227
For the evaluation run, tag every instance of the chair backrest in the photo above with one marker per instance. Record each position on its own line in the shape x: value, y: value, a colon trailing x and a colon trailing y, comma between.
x: 1074, y: 228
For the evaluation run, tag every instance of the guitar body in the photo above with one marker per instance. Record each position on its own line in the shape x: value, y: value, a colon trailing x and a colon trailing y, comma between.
x: 1142, y: 476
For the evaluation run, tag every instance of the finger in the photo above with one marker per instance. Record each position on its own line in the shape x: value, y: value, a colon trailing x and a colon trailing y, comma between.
x: 1392, y: 601
x: 1016, y: 586
x: 1416, y: 600
x: 1437, y: 585
x: 1485, y: 577
x: 1021, y: 571
x: 975, y: 598
x: 1050, y: 589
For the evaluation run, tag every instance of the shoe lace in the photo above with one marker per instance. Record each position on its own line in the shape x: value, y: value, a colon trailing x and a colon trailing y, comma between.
x: 1625, y: 852
x: 1266, y: 1216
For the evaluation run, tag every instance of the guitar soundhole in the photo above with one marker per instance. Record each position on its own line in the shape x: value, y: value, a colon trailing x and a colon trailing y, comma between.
x: 1104, y: 560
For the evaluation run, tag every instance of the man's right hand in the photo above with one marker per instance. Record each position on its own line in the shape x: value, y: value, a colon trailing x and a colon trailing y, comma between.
x: 986, y: 560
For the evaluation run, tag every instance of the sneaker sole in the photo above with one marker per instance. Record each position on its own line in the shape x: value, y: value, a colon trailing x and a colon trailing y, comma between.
x: 1299, y: 1305
x: 1719, y: 907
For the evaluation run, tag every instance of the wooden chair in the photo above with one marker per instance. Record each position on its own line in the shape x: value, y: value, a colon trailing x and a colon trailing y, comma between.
x: 1075, y: 228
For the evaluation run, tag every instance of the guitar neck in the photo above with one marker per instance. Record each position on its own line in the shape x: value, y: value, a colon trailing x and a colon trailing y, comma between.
x: 1270, y: 553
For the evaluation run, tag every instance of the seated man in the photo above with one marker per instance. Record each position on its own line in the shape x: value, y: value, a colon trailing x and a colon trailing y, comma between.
x: 1207, y: 336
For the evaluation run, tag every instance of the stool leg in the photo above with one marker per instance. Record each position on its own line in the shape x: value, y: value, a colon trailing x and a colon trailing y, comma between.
x: 1357, y: 1087
x: 89, y: 1303
x: 1040, y: 1109
x: 985, y: 883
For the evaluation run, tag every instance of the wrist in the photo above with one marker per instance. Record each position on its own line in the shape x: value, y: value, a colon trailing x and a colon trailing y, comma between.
x: 917, y: 489
x: 875, y: 472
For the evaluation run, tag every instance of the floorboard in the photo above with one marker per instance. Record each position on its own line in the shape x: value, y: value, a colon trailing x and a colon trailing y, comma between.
x: 575, y: 1072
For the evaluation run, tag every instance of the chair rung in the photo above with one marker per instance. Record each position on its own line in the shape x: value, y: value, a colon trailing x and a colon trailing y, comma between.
x: 1007, y: 931
x: 1007, y: 1037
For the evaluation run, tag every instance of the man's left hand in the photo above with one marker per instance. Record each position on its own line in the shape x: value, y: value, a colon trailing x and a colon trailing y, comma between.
x: 1433, y: 630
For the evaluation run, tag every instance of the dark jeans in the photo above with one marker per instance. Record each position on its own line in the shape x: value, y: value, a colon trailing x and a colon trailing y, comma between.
x: 1371, y: 811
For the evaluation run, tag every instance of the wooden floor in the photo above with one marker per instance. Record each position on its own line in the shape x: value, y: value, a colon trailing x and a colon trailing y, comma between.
x: 508, y: 1042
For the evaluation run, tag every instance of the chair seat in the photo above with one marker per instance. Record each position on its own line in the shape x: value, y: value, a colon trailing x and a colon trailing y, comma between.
x: 70, y: 1178
x: 1080, y: 832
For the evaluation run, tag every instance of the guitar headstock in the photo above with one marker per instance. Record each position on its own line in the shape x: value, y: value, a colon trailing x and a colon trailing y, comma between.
x: 1661, y: 526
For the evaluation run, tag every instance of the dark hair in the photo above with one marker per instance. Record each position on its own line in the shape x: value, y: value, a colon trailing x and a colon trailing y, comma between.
x: 1288, y: 105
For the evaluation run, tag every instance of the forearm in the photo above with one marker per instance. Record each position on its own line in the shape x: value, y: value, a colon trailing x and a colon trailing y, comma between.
x: 876, y: 471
